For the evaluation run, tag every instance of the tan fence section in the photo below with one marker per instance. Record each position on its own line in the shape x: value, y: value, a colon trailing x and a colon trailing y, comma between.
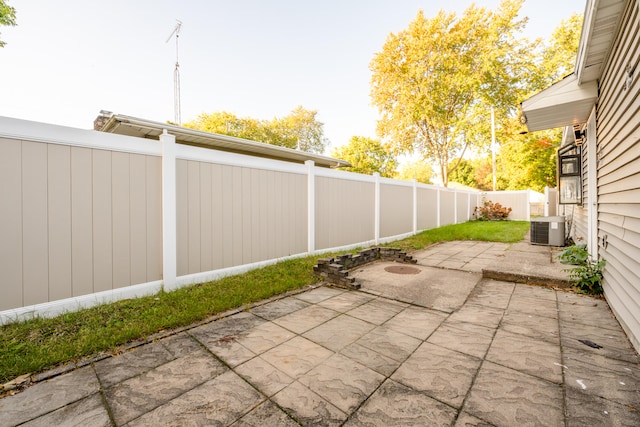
x: 344, y: 211
x: 76, y: 221
x: 89, y: 217
x: 230, y: 215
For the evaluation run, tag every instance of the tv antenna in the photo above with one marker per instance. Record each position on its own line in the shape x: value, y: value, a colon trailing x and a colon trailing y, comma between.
x: 176, y: 76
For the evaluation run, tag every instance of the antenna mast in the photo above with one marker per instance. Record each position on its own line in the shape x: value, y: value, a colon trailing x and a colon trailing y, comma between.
x: 176, y: 76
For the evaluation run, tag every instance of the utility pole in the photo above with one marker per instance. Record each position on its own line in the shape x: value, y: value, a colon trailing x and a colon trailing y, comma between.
x: 493, y: 147
x: 176, y: 77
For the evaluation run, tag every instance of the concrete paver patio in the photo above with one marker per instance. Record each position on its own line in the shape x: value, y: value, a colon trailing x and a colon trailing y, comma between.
x: 438, y: 347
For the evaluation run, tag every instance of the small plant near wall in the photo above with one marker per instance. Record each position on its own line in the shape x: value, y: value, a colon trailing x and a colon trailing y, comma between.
x: 490, y: 211
x: 574, y: 255
x: 587, y: 275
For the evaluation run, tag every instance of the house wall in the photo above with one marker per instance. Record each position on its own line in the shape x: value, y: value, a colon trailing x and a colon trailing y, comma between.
x: 618, y: 160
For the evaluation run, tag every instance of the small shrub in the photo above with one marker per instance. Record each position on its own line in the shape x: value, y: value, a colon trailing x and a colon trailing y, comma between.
x: 490, y: 211
x: 574, y: 255
x: 588, y: 277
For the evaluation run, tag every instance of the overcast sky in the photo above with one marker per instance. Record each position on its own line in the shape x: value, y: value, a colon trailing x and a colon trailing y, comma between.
x: 68, y: 59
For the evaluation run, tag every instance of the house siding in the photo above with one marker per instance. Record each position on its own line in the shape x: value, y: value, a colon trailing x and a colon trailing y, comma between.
x: 618, y: 160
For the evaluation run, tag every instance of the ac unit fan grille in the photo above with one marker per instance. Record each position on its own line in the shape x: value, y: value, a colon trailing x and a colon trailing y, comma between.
x: 540, y: 233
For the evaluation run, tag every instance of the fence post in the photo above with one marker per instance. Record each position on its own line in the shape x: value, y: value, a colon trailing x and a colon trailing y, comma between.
x: 169, y: 226
x: 469, y: 206
x: 311, y: 207
x: 376, y: 176
x: 415, y: 206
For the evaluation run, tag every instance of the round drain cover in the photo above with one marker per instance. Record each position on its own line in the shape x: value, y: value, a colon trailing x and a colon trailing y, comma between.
x: 402, y: 269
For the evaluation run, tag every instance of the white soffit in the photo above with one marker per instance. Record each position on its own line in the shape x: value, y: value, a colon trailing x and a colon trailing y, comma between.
x: 565, y: 103
x: 601, y: 22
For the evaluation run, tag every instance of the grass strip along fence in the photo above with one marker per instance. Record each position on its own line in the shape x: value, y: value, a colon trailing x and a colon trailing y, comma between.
x: 42, y: 343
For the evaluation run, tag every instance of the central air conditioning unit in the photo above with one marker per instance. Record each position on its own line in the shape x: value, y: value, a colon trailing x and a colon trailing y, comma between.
x: 547, y: 231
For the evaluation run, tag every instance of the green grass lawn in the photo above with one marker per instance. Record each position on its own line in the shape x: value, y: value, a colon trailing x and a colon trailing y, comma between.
x: 39, y: 344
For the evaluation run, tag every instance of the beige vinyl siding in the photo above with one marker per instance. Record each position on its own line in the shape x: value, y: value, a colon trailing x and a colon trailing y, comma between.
x: 344, y: 212
x: 75, y: 221
x: 619, y: 177
x: 427, y: 208
x: 231, y: 215
x: 579, y: 221
x: 396, y: 210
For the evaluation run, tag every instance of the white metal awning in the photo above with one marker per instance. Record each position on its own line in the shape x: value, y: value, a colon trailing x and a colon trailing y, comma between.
x: 565, y: 103
x: 133, y: 126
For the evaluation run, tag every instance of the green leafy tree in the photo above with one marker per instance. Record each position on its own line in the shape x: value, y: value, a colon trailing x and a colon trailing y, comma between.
x: 7, y: 17
x: 433, y: 82
x: 367, y: 156
x: 419, y: 170
x: 298, y: 130
x: 530, y: 163
x: 464, y: 173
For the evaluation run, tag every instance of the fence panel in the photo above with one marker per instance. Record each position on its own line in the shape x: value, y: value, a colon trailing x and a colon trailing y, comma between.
x: 345, y: 211
x: 447, y: 207
x: 518, y: 201
x: 427, y: 208
x: 396, y: 209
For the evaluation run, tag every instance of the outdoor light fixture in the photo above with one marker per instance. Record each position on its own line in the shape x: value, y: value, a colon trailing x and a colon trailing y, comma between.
x: 569, y: 174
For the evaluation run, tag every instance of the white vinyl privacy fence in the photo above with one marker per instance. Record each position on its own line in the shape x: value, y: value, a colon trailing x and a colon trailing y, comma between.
x: 89, y: 217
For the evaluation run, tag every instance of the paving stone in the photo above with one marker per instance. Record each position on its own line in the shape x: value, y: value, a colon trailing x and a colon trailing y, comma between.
x: 264, y: 337
x: 297, y: 356
x: 319, y: 294
x: 89, y: 411
x: 468, y: 420
x: 595, y: 314
x: 443, y: 374
x: 305, y: 319
x: 48, y: 396
x: 372, y: 359
x: 228, y: 327
x: 505, y: 397
x: 346, y: 301
x: 478, y: 314
x: 616, y: 380
x: 389, y: 343
x: 615, y: 344
x: 264, y: 376
x: 525, y: 354
x: 538, y: 327
x: 492, y: 293
x: 394, y: 404
x: 585, y: 409
x: 266, y: 415
x: 533, y: 306
x: 308, y: 407
x: 467, y: 338
x: 372, y: 313
x: 133, y: 397
x: 339, y: 332
x: 416, y: 322
x: 181, y: 344
x: 219, y: 401
x: 342, y: 382
x: 121, y: 367
x: 535, y: 292
x: 275, y: 309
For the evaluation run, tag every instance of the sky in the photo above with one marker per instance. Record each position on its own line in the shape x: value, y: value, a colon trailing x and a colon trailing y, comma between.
x: 68, y: 59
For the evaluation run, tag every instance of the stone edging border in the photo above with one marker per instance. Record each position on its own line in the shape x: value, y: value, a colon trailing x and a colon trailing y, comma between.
x: 335, y: 270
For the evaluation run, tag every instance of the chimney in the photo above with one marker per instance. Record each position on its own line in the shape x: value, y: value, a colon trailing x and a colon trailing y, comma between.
x: 102, y: 119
